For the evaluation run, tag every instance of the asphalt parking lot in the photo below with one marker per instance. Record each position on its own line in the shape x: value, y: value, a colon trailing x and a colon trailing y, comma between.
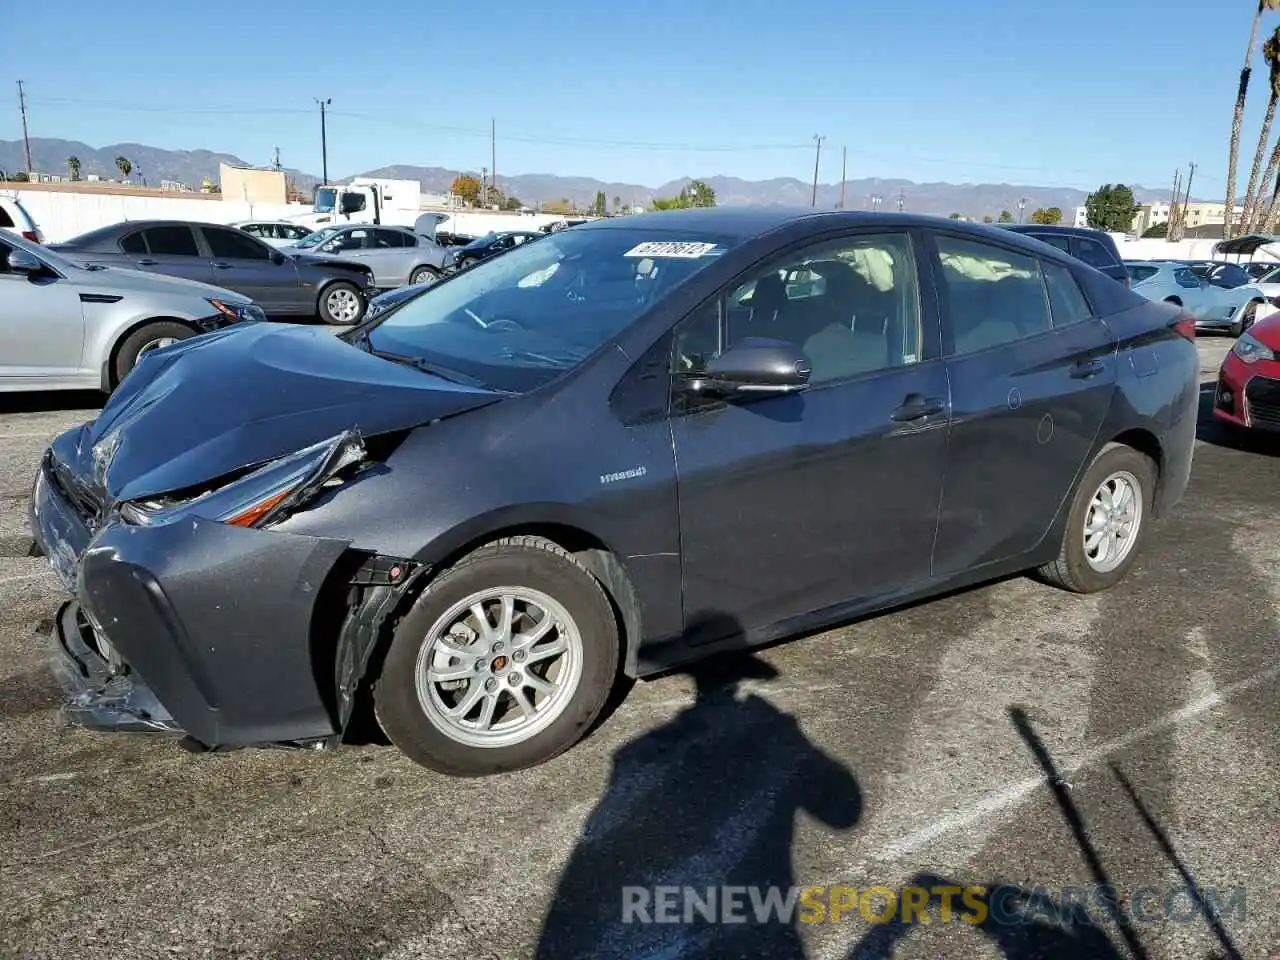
x: 1009, y: 734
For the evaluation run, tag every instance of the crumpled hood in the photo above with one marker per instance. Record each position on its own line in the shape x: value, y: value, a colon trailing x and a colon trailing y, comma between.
x: 245, y: 395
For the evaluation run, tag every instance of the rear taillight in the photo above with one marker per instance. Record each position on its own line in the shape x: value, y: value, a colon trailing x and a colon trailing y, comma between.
x: 1185, y: 326
x: 31, y: 235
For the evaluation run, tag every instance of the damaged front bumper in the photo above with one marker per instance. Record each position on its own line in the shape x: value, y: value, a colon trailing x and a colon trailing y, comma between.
x: 233, y: 636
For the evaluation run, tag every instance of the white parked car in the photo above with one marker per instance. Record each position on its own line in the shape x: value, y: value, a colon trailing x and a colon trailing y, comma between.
x: 274, y: 233
x: 1219, y: 303
x: 15, y: 219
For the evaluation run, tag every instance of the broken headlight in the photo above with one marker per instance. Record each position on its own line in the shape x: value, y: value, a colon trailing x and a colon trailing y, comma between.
x: 262, y: 495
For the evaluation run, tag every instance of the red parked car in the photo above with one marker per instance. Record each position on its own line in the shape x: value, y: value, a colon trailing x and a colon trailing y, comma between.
x: 1248, y: 393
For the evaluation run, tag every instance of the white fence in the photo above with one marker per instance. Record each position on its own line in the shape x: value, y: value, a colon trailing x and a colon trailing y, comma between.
x: 62, y: 216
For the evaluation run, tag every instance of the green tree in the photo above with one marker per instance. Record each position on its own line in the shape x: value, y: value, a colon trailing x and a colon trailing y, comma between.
x: 700, y: 194
x: 1111, y: 207
x: 598, y: 207
x: 986, y: 219
x: 617, y: 205
x: 954, y: 216
x: 1242, y: 94
x: 1005, y: 217
x: 1158, y: 232
x: 73, y: 164
x: 466, y: 188
x: 513, y: 203
x: 124, y: 165
x: 20, y: 177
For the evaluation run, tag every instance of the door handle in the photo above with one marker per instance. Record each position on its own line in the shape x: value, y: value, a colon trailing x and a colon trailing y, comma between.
x: 916, y: 407
x: 219, y: 265
x: 1086, y: 369
x: 146, y: 262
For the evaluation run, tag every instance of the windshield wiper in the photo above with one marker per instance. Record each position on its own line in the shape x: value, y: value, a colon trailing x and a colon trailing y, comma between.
x: 564, y: 359
x: 435, y: 369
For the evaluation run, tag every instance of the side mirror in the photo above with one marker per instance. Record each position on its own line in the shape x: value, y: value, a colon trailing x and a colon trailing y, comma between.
x: 22, y: 262
x: 278, y: 258
x: 755, y: 367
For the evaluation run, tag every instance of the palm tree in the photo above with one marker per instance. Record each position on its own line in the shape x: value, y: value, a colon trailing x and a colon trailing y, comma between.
x: 1242, y: 93
x: 124, y: 166
x: 1252, y: 196
x: 73, y: 164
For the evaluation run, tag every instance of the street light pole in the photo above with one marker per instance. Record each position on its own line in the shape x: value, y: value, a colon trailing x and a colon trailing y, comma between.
x: 1022, y: 205
x: 324, y: 140
x: 817, y: 140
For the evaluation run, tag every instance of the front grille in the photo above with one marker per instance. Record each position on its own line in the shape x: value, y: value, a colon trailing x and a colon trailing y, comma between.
x: 86, y: 504
x: 1263, y: 396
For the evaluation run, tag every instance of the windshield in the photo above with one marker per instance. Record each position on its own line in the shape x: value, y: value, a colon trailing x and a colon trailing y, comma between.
x: 317, y: 238
x: 1271, y: 276
x: 325, y: 198
x: 520, y: 320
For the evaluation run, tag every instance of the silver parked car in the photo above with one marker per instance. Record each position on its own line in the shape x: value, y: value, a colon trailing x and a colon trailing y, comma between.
x: 274, y: 233
x: 71, y: 326
x: 1216, y: 307
x: 396, y: 255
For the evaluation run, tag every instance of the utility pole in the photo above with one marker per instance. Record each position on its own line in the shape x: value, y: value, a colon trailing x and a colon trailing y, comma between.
x: 493, y: 153
x: 324, y: 141
x: 1186, y: 201
x: 817, y: 140
x: 26, y: 141
x: 844, y: 156
x: 1173, y: 205
x: 901, y: 199
x: 277, y: 160
x: 1022, y: 205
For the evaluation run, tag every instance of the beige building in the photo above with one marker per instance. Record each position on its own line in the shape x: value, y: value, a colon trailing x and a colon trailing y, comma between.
x: 1198, y: 215
x: 252, y: 184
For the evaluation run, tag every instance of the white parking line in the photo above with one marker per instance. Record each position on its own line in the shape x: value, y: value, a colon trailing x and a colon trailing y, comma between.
x: 21, y: 578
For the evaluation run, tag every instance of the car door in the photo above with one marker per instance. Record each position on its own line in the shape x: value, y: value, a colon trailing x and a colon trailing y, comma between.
x: 170, y: 249
x: 247, y: 265
x: 41, y: 323
x: 386, y: 255
x: 790, y: 504
x: 1032, y: 373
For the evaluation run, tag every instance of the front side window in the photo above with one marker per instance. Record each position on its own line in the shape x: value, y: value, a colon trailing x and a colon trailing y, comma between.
x: 317, y: 238
x: 851, y: 305
x: 351, y: 240
x: 1139, y: 273
x: 1186, y: 278
x: 995, y: 296
x: 523, y: 319
x: 234, y: 245
x: 171, y: 241
x: 132, y: 243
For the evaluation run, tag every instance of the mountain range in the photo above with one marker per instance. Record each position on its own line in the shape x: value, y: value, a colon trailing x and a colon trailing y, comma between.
x: 154, y: 164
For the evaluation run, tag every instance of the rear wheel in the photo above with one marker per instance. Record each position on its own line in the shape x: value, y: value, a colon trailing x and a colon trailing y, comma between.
x: 151, y: 336
x: 504, y: 662
x: 423, y: 275
x: 341, y: 304
x: 1174, y: 300
x: 1107, y: 522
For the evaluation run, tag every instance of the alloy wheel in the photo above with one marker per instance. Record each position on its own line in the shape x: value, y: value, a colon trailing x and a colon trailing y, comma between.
x: 1112, y: 521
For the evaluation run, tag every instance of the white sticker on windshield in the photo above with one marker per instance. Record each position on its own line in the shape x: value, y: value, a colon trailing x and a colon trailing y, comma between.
x: 674, y: 249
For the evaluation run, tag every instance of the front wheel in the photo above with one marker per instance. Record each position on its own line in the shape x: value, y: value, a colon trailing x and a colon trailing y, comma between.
x: 1107, y: 522
x: 423, y: 275
x: 504, y: 661
x: 151, y: 336
x: 341, y: 304
x: 1247, y: 317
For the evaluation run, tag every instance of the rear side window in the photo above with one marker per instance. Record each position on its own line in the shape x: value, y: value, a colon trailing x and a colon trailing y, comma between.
x: 1137, y: 274
x: 1095, y: 254
x: 1054, y: 240
x: 5, y: 219
x: 1066, y: 301
x: 234, y: 245
x: 994, y: 296
x: 133, y: 243
x: 171, y: 241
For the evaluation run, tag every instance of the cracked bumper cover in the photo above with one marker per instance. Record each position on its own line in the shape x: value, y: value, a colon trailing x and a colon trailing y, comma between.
x: 208, y: 627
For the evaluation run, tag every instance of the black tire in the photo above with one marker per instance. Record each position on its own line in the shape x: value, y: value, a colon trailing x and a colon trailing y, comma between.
x: 341, y: 287
x: 1071, y: 570
x: 140, y: 340
x: 423, y: 274
x: 1174, y: 300
x: 531, y: 562
x: 1246, y: 319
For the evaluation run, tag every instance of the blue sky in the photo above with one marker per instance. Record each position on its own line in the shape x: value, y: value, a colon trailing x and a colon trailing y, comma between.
x: 1023, y: 91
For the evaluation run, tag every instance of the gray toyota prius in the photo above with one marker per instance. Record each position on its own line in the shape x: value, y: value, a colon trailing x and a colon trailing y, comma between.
x: 599, y: 456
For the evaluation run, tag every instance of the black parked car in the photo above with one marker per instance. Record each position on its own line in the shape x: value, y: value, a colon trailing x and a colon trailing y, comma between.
x: 606, y: 453
x: 1094, y: 247
x: 283, y: 282
x: 492, y: 244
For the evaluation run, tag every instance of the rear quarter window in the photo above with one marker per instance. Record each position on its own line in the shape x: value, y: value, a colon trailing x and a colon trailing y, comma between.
x: 5, y: 219
x: 1095, y: 254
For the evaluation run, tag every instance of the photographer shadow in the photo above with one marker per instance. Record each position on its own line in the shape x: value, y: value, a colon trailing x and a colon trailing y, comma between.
x: 708, y: 800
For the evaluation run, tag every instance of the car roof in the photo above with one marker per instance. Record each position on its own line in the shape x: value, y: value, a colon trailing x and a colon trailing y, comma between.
x: 741, y: 223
